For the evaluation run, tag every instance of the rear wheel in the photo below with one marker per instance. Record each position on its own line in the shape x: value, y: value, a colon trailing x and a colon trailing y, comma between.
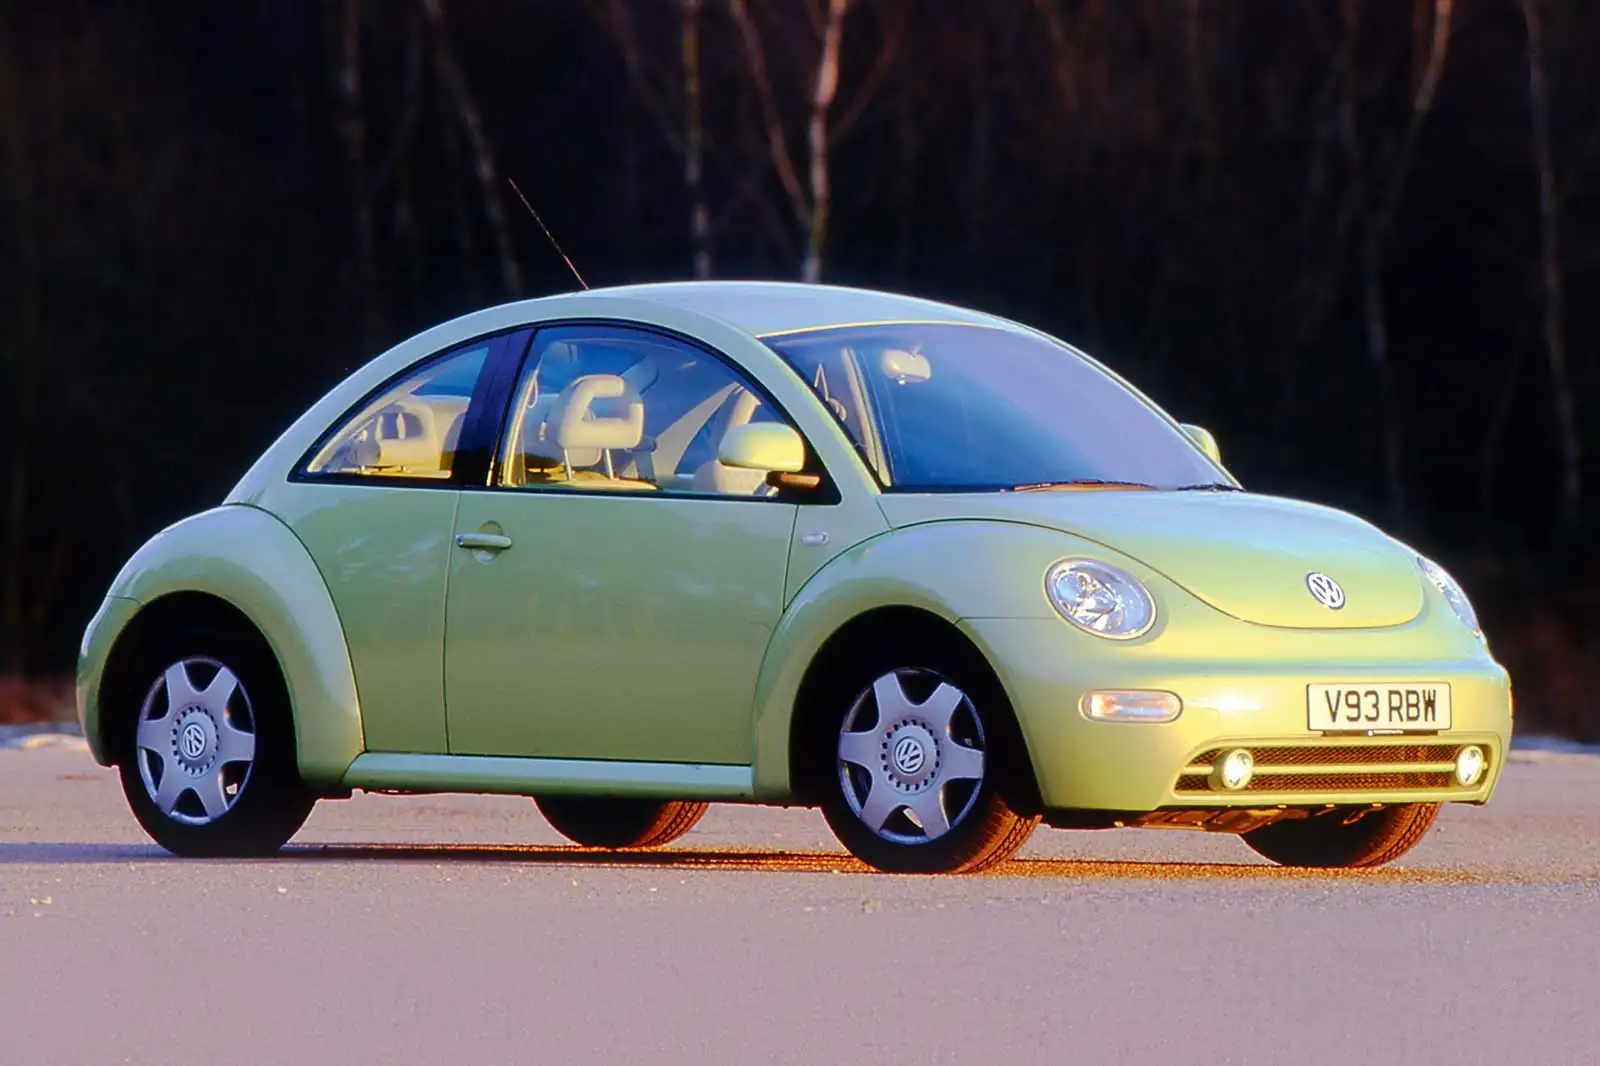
x: 615, y: 822
x: 1345, y: 836
x: 206, y: 746
x: 918, y: 754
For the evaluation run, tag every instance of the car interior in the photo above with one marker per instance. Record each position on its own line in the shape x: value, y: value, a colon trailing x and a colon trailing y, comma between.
x: 411, y: 431
x: 610, y: 412
x: 641, y: 415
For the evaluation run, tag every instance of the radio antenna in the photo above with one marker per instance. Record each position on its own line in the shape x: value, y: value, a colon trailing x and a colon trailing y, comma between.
x: 548, y: 235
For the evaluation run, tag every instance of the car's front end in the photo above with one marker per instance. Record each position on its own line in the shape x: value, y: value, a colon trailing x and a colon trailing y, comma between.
x: 1202, y: 653
x: 1176, y: 650
x: 1227, y: 714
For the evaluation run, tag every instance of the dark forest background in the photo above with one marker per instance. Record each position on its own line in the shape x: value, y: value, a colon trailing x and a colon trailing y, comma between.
x: 1356, y: 238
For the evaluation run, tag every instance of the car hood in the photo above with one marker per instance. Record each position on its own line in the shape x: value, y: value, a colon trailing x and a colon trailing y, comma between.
x: 1243, y: 554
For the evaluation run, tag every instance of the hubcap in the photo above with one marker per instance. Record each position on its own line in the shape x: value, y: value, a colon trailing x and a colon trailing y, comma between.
x: 911, y: 756
x: 196, y: 741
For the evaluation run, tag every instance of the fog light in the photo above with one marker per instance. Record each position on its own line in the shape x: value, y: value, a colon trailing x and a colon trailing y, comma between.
x: 1233, y: 770
x: 1130, y: 706
x: 1470, y: 763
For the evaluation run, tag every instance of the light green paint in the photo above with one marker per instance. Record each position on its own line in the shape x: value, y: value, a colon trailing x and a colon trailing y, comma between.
x: 1245, y: 686
x: 543, y: 777
x: 626, y: 626
x: 384, y: 553
x: 250, y: 559
x: 1246, y: 555
x: 113, y: 616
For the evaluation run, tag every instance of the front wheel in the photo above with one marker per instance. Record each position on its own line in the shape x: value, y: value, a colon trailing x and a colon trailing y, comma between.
x: 1345, y: 836
x: 918, y: 760
x: 207, y: 752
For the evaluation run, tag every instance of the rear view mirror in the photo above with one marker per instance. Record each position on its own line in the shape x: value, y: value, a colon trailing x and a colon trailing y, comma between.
x: 763, y: 446
x: 1208, y: 444
x: 903, y: 367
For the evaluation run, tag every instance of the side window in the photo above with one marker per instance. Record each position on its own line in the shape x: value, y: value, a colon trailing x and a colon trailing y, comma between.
x: 618, y: 409
x: 412, y: 430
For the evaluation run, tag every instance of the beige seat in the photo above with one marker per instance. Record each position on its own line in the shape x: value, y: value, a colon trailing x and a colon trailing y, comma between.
x: 566, y: 433
x: 415, y: 438
x: 713, y: 476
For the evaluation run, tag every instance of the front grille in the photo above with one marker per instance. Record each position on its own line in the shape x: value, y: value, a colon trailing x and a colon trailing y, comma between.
x: 1334, y: 768
x: 1343, y: 754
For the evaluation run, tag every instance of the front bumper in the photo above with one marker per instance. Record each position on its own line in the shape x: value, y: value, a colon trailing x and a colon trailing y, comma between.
x: 1250, y: 692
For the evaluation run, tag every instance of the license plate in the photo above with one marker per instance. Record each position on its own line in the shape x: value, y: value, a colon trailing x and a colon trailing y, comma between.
x: 1398, y: 707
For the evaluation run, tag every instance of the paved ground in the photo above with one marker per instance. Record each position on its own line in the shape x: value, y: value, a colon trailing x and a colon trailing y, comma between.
x: 457, y: 931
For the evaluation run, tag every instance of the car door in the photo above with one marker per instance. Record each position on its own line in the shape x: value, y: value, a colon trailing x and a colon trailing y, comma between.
x: 614, y: 588
x: 374, y: 503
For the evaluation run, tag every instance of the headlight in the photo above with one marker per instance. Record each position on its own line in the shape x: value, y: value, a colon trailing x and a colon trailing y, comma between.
x: 1100, y: 598
x: 1453, y: 594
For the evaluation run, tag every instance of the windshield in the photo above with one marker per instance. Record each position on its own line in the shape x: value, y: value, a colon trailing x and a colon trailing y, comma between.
x: 947, y: 408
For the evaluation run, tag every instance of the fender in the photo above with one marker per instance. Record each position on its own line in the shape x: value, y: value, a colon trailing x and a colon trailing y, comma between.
x: 246, y: 557
x: 955, y: 570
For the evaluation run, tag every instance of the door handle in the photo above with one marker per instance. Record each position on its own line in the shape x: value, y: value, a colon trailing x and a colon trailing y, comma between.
x: 483, y: 541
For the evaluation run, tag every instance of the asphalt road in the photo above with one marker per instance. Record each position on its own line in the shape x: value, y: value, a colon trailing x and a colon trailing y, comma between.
x: 457, y: 930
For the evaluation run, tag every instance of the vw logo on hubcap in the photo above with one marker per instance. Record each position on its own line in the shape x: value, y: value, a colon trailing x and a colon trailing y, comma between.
x: 194, y: 741
x: 1325, y: 590
x: 909, y: 756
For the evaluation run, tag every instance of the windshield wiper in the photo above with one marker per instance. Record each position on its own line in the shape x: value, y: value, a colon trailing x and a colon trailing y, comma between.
x: 1080, y: 483
x: 1209, y: 486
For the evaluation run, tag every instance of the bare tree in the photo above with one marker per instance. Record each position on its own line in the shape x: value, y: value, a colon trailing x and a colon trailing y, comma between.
x: 484, y: 167
x: 1550, y: 273
x: 694, y: 138
x: 352, y: 128
x: 827, y: 87
x: 810, y: 202
x: 1380, y: 187
x: 678, y: 113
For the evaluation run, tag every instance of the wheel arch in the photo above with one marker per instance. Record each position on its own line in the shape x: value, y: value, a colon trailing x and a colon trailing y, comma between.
x: 843, y: 651
x: 924, y: 579
x: 239, y: 565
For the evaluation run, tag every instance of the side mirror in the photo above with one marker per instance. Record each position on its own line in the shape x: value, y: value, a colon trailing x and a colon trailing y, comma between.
x: 763, y: 446
x: 1208, y: 444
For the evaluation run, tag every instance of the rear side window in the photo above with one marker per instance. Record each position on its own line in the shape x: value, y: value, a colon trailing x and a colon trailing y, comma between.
x: 413, y: 429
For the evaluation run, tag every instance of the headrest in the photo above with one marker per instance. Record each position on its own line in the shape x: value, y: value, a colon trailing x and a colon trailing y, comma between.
x: 744, y: 407
x: 406, y: 437
x: 569, y: 430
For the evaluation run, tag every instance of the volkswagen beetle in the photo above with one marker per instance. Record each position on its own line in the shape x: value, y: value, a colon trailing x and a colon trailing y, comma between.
x: 636, y: 550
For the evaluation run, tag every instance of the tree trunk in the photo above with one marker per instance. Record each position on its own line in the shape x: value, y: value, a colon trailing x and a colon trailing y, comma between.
x: 694, y: 141
x: 1554, y: 318
x: 1375, y: 312
x: 827, y: 85
x: 353, y: 132
x: 907, y: 148
x: 771, y: 120
x: 455, y: 83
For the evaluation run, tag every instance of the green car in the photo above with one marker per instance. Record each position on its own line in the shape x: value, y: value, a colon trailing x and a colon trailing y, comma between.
x: 635, y: 550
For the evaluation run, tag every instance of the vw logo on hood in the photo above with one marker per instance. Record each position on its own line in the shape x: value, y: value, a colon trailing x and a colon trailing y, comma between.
x: 1325, y: 590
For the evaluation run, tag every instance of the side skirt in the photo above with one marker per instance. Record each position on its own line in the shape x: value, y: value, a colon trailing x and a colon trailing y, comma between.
x: 504, y: 775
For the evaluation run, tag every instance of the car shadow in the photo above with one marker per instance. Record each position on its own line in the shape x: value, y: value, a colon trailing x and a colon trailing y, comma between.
x: 716, y: 859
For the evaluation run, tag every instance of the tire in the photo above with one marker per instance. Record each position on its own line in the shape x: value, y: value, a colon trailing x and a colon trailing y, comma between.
x: 912, y: 736
x: 237, y: 791
x: 618, y: 823
x: 1333, y: 839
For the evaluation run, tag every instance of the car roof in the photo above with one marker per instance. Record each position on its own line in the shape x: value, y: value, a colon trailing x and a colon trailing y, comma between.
x: 767, y: 308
